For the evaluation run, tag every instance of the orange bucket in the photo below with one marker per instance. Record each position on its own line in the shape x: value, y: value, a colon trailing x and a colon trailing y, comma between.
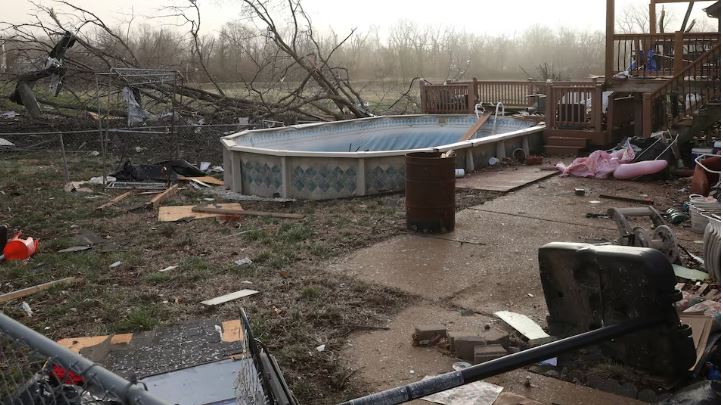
x: 20, y: 249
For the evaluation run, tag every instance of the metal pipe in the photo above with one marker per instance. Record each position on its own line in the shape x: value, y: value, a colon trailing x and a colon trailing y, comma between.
x: 454, y: 379
x: 128, y: 392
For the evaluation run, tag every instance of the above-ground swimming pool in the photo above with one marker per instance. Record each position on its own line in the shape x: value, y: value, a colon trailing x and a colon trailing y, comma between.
x: 362, y: 156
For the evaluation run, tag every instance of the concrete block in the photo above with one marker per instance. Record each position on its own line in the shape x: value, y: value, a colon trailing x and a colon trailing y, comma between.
x: 488, y: 352
x: 464, y: 346
x: 426, y: 335
x: 495, y: 336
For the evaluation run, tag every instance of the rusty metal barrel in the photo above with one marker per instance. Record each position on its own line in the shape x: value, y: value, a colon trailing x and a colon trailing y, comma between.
x: 429, y: 192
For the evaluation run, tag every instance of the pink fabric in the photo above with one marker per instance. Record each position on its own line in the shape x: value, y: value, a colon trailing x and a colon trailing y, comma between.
x: 599, y: 164
x: 632, y: 170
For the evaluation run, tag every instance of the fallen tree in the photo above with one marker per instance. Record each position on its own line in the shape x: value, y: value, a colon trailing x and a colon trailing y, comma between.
x: 323, y: 91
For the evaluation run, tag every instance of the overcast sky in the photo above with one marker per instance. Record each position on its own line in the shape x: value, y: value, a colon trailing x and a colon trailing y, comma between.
x: 472, y: 16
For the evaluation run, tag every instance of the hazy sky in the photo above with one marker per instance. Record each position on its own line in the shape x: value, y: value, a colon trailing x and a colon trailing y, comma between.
x: 473, y: 16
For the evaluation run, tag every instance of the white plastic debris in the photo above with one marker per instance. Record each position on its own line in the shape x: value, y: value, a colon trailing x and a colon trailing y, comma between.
x: 243, y: 262
x: 26, y: 308
x: 116, y: 264
x: 5, y: 142
x: 219, y: 330
x: 320, y: 348
x: 99, y: 179
x: 204, y: 166
x: 169, y: 268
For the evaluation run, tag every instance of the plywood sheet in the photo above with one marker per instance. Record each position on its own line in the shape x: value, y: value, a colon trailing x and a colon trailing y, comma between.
x: 504, y: 180
x: 174, y: 213
x: 206, y: 179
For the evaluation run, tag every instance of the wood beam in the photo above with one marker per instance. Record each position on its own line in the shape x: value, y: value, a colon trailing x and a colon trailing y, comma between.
x: 609, y: 43
x: 652, y: 17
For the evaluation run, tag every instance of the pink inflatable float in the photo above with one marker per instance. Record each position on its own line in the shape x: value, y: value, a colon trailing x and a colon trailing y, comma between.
x: 627, y: 171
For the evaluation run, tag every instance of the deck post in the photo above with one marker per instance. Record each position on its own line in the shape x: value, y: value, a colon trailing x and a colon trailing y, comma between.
x: 609, y: 42
x: 423, y: 95
x: 678, y: 52
x: 549, y: 109
x: 470, y: 96
x: 476, y: 91
x: 652, y: 17
x: 597, y: 108
x: 647, y: 127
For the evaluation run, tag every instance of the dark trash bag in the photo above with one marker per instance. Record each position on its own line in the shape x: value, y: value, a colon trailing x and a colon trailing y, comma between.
x: 161, y: 171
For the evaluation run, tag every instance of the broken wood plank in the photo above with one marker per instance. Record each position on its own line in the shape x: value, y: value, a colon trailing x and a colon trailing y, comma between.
x: 35, y: 289
x: 115, y: 199
x: 526, y: 326
x: 228, y: 212
x: 199, y: 182
x: 232, y: 331
x: 205, y: 179
x: 229, y: 297
x: 172, y: 213
x: 645, y: 201
x: 156, y: 201
x: 477, y: 125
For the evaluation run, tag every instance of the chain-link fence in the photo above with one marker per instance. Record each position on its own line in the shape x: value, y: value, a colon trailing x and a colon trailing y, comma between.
x: 35, y: 370
x: 109, y: 149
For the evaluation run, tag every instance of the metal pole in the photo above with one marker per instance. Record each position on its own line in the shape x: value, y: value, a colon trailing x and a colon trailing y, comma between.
x: 100, y: 119
x: 129, y: 393
x: 454, y: 379
x: 65, y: 160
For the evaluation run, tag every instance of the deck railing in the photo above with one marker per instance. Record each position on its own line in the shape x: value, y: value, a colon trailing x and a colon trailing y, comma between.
x: 574, y: 106
x: 685, y: 93
x: 452, y: 98
x: 658, y: 55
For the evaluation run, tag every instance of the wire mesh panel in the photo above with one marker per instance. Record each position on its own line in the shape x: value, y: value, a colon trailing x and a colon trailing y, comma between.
x: 36, y: 370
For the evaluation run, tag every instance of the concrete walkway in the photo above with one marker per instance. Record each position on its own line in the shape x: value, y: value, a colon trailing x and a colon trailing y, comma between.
x: 488, y: 264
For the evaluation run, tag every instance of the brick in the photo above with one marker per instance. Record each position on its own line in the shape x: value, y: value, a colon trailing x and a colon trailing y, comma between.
x: 483, y: 353
x: 426, y: 335
x: 464, y: 346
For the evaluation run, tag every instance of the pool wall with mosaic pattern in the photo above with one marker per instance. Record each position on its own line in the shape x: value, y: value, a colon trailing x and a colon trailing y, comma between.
x: 360, y: 157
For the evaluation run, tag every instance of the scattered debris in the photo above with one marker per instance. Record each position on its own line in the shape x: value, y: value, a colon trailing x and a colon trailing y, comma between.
x: 476, y: 393
x: 320, y: 348
x: 115, y: 264
x: 701, y: 326
x: 4, y: 142
x: 645, y: 201
x: 204, y: 166
x: 229, y: 297
x: 243, y: 262
x: 75, y: 249
x: 19, y: 249
x: 169, y: 268
x: 99, y: 180
x: 203, y: 180
x: 162, y: 171
x: 690, y: 274
x: 526, y: 326
x: 115, y: 200
x: 26, y: 307
x: 156, y: 201
x: 136, y: 185
x: 76, y: 186
x: 35, y: 289
x: 579, y: 191
x: 485, y: 353
x: 428, y: 335
x: 178, y: 212
x: 242, y: 212
x: 662, y: 238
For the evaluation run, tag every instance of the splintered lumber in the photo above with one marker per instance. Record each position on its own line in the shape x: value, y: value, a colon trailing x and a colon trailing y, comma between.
x: 156, y: 201
x: 32, y: 290
x: 229, y: 297
x: 645, y: 201
x: 205, y: 179
x: 172, y: 213
x: 115, y: 199
x: 477, y: 125
x: 239, y: 212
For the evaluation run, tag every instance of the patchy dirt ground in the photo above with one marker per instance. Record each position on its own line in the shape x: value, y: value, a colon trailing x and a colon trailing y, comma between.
x: 299, y: 308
